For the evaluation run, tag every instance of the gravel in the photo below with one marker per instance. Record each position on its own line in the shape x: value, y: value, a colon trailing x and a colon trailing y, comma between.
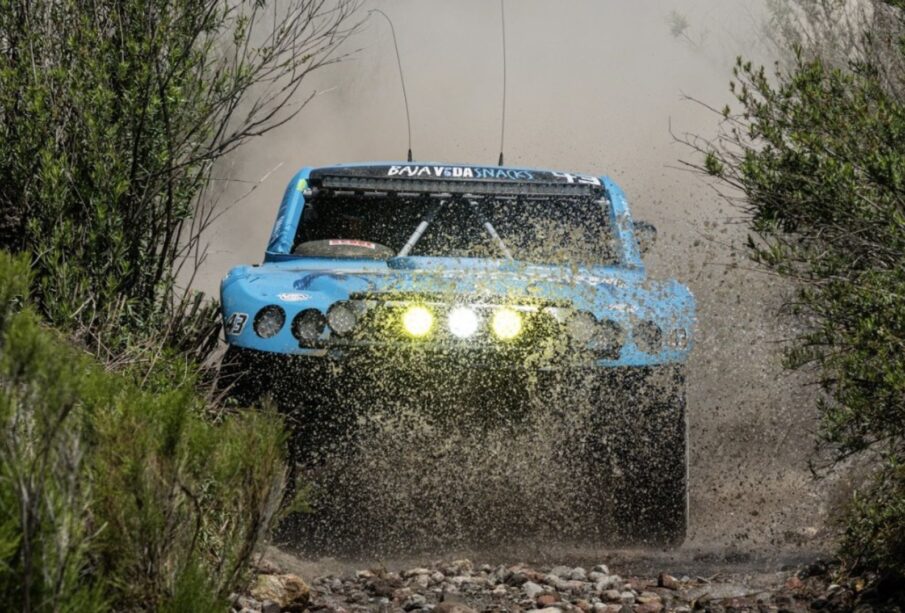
x: 461, y: 587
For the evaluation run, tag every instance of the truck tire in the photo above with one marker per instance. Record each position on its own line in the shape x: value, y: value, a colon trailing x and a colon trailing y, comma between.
x: 638, y: 458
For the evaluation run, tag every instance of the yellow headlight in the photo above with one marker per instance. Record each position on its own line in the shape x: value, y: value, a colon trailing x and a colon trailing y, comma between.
x: 417, y: 321
x: 506, y: 324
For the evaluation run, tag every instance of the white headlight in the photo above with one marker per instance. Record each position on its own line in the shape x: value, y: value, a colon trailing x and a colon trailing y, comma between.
x: 463, y: 322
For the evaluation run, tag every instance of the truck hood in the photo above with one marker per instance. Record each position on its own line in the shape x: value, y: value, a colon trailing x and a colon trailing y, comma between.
x: 318, y: 283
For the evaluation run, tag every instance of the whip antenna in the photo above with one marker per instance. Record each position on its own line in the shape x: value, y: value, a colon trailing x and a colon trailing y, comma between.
x: 405, y: 98
x: 503, y: 119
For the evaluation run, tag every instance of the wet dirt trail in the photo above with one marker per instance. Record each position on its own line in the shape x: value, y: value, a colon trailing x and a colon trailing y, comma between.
x: 595, y: 88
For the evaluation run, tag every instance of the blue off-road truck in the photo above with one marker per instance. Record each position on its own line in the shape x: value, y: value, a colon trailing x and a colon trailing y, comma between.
x: 508, y: 272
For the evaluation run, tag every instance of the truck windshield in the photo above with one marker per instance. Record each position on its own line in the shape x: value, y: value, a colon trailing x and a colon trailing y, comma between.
x: 570, y: 231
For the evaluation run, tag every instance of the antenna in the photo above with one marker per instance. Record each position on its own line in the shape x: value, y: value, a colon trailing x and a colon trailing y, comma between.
x: 405, y: 99
x: 503, y: 119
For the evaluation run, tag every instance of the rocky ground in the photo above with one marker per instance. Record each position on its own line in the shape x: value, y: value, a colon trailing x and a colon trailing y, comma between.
x: 462, y: 587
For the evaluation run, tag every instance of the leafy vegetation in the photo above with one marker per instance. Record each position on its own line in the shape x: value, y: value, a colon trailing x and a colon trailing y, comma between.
x: 120, y: 487
x: 112, y: 116
x: 116, y: 496
x: 818, y: 154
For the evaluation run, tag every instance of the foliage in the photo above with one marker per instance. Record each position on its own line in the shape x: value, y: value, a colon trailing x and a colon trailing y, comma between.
x: 818, y: 156
x: 112, y: 115
x: 115, y: 496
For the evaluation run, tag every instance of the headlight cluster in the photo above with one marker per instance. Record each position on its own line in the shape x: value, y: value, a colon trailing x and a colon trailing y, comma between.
x: 308, y: 325
x: 605, y: 338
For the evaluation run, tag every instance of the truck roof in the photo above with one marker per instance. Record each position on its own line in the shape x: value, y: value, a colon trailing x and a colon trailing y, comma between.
x: 411, y: 177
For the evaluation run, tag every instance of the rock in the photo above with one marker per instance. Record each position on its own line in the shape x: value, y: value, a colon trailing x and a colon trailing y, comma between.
x: 607, y: 608
x: 532, y: 589
x: 413, y: 572
x: 668, y: 581
x: 246, y: 602
x: 547, y: 610
x: 794, y: 583
x: 263, y: 566
x: 595, y: 576
x: 285, y: 590
x: 364, y: 574
x: 381, y: 588
x: 415, y: 601
x: 575, y: 587
x: 563, y: 572
x: 557, y: 582
x: 578, y: 574
x: 501, y: 574
x: 647, y: 598
x: 655, y: 607
x: 609, y: 582
x: 437, y: 577
x: 453, y: 607
x: 462, y: 566
x: 627, y: 598
x: 516, y: 578
x: 584, y: 605
x: 601, y: 568
x: 611, y: 595
x: 401, y: 594
x: 545, y: 600
x: 421, y: 581
x: 270, y: 606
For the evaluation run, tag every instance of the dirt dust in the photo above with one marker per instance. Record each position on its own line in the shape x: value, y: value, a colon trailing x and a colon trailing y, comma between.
x: 593, y: 87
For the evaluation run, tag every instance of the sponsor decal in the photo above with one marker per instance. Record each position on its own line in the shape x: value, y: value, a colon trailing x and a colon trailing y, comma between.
x: 352, y: 243
x: 294, y: 297
x: 583, y: 179
x: 460, y: 172
x: 236, y: 323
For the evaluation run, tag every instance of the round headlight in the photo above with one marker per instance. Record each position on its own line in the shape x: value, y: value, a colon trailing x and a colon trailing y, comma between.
x: 608, y: 339
x: 308, y: 325
x: 648, y: 337
x: 269, y: 321
x: 581, y: 327
x: 417, y: 321
x: 341, y: 318
x: 463, y: 322
x: 506, y: 324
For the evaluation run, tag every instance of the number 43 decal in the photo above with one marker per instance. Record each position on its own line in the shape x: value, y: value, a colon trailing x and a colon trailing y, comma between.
x: 584, y: 179
x: 236, y: 323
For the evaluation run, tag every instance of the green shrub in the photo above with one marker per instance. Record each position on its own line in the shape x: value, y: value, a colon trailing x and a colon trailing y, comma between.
x: 112, y: 116
x: 818, y: 155
x: 115, y: 496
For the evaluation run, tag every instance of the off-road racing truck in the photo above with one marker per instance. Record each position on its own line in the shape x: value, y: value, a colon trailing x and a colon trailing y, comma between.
x: 495, y: 269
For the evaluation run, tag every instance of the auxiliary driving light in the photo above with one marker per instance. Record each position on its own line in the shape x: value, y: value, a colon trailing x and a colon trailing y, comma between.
x: 463, y: 322
x: 506, y: 324
x: 417, y: 321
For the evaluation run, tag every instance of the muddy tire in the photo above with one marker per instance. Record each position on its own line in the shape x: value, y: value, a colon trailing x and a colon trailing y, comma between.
x: 634, y: 458
x: 649, y: 463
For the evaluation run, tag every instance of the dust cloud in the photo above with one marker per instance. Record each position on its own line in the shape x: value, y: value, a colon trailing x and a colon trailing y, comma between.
x: 593, y: 87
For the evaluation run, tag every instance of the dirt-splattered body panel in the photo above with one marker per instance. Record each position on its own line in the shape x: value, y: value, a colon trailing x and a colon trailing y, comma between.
x: 533, y: 312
